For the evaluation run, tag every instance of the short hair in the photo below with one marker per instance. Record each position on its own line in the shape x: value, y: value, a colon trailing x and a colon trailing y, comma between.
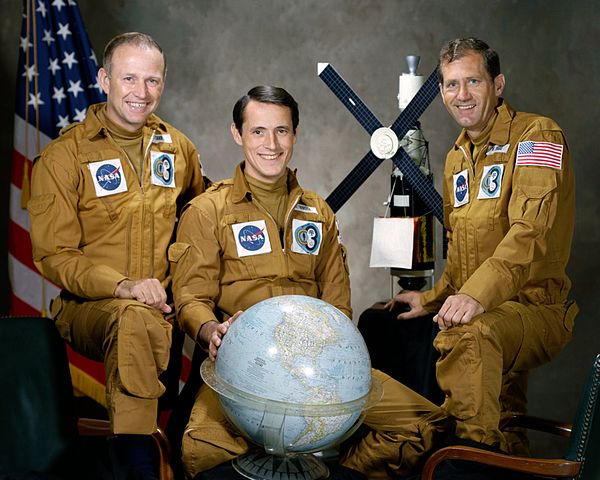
x: 137, y: 39
x: 460, y: 47
x: 265, y: 94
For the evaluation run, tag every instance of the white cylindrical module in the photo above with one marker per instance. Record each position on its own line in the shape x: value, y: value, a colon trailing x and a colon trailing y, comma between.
x: 409, y: 83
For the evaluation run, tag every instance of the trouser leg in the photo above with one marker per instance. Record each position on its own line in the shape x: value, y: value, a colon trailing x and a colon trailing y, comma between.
x: 513, y: 401
x: 209, y: 439
x: 476, y: 359
x: 133, y: 340
x: 403, y: 427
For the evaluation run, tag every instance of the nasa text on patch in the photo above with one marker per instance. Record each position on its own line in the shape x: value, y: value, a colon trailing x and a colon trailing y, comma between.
x: 461, y: 188
x: 108, y: 177
x: 251, y: 238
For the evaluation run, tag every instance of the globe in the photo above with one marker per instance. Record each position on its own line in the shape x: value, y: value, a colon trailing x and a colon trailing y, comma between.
x: 293, y: 374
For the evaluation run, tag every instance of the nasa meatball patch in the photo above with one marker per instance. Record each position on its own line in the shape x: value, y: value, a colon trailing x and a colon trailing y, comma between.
x: 251, y: 238
x: 461, y: 188
x: 108, y: 177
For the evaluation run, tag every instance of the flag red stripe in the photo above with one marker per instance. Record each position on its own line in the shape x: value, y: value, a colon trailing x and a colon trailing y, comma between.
x: 19, y: 244
x: 16, y: 176
x: 20, y: 308
x: 539, y: 161
x: 186, y: 368
x: 91, y: 367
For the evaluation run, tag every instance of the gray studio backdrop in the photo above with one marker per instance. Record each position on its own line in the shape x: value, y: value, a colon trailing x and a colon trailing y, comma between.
x: 218, y: 49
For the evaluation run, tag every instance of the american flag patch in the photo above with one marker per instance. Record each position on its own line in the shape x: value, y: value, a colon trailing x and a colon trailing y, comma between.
x: 540, y: 154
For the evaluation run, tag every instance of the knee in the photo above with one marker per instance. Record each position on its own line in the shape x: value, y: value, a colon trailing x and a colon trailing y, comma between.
x: 465, y: 339
x: 203, y: 449
x: 146, y: 325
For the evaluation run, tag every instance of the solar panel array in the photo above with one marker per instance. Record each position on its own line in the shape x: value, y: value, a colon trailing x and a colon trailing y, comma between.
x: 406, y: 121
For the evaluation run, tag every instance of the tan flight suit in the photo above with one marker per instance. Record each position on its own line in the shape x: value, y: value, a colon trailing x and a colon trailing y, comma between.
x: 213, y: 272
x: 94, y: 223
x: 510, y: 227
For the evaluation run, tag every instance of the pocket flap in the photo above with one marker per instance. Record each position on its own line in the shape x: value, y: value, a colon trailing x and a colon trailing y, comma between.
x: 177, y: 250
x: 40, y: 203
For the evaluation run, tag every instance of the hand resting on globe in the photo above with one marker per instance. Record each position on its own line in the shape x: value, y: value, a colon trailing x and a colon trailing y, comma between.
x: 211, y: 334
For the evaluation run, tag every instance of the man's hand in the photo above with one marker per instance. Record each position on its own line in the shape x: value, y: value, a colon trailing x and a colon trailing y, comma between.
x: 410, y: 299
x: 148, y: 291
x: 211, y: 334
x: 457, y: 310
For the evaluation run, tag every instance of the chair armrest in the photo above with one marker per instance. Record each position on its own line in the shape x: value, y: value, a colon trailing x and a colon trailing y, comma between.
x: 537, y: 423
x: 164, y: 453
x: 93, y: 427
x: 97, y: 427
x: 548, y: 467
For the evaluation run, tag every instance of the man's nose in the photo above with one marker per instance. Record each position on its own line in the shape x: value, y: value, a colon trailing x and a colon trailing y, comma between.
x: 271, y: 140
x: 463, y: 92
x: 140, y: 89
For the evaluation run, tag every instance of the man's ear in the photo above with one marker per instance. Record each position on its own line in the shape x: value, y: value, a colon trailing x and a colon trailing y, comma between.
x: 499, y: 83
x: 103, y: 80
x: 236, y: 135
x: 442, y: 93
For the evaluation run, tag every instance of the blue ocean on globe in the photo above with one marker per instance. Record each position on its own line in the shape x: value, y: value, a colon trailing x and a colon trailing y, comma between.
x: 293, y: 370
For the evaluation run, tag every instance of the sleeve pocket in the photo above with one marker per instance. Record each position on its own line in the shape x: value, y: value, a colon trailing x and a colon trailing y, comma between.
x: 40, y: 204
x: 177, y: 251
x: 536, y: 183
x: 43, y: 238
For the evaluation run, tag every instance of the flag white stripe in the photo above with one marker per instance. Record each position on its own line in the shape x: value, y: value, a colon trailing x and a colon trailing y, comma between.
x: 28, y: 287
x: 20, y: 130
x: 17, y: 214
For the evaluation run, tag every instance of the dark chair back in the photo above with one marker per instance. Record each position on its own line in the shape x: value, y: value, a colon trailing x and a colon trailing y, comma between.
x: 36, y: 402
x: 584, y: 444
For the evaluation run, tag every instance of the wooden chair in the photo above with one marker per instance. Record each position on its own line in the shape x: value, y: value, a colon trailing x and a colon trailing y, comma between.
x: 582, y: 457
x: 40, y: 431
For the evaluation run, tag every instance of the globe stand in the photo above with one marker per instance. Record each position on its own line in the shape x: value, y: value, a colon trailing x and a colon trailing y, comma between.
x: 260, y: 465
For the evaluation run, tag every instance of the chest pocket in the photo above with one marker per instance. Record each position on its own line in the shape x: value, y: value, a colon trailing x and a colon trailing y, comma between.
x: 493, y: 190
x: 167, y: 175
x: 251, y: 247
x: 304, y: 243
x: 534, y: 193
x: 87, y: 189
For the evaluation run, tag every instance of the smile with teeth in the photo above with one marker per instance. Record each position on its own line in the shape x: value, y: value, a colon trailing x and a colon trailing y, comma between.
x: 138, y: 105
x: 269, y: 156
x: 465, y: 107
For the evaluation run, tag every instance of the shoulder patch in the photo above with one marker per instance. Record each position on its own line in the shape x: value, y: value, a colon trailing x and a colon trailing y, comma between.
x: 540, y: 154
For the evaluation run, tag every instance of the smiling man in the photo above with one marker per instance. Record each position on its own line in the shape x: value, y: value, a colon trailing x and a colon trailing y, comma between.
x: 502, y: 303
x: 105, y: 199
x: 246, y: 239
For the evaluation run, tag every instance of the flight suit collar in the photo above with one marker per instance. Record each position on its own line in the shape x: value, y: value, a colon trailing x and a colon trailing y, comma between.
x: 241, y: 189
x: 500, y: 134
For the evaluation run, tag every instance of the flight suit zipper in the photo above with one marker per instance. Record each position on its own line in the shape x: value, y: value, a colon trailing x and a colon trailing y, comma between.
x: 287, y: 217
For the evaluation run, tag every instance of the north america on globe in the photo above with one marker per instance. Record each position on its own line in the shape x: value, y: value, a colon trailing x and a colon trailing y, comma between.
x: 284, y: 360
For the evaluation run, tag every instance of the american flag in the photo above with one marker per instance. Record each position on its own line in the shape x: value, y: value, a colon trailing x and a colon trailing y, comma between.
x: 56, y: 81
x: 540, y: 154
